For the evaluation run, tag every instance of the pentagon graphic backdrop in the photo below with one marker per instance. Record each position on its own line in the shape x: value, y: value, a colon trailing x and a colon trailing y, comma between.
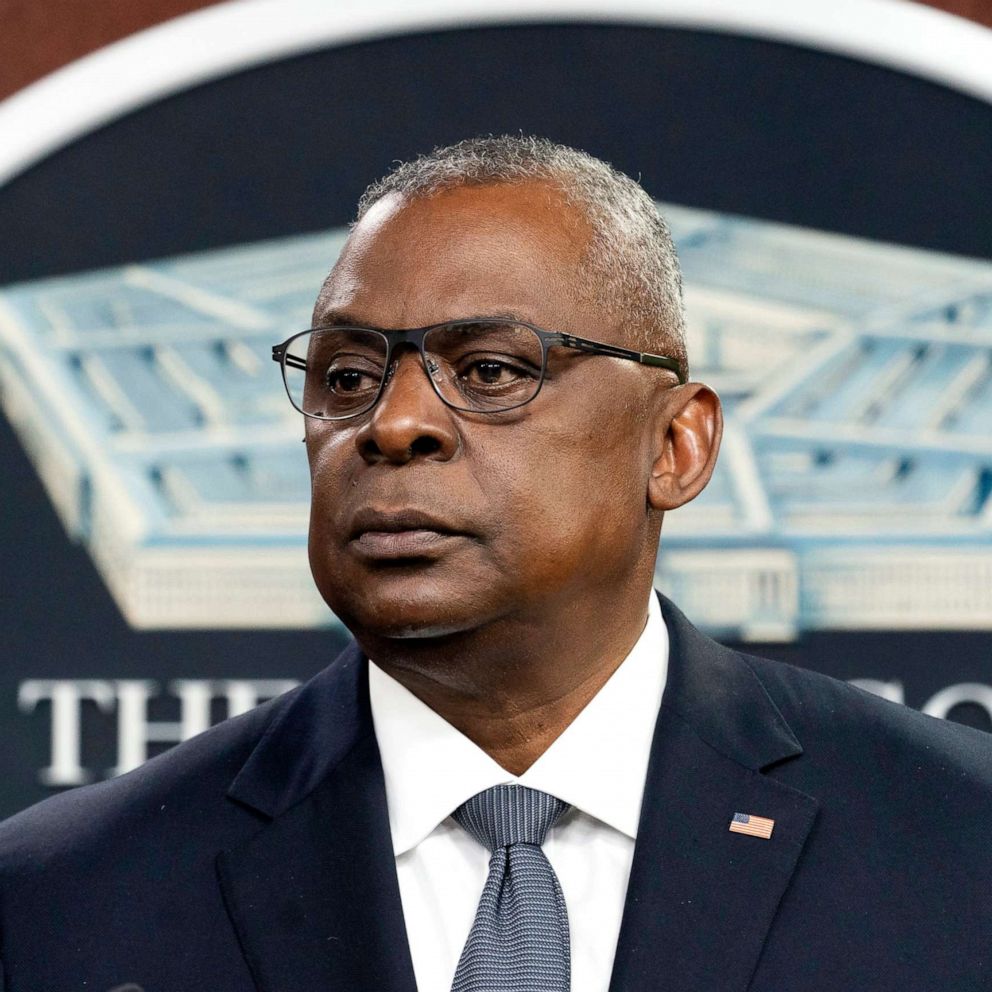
x: 834, y: 224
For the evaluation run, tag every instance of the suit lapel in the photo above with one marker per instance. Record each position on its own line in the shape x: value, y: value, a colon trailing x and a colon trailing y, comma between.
x: 314, y: 895
x: 701, y: 899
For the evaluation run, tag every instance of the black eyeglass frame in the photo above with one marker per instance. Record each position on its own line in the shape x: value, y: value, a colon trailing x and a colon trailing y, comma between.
x: 416, y: 335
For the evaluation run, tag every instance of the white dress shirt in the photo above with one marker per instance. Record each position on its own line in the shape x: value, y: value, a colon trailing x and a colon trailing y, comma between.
x: 597, y: 765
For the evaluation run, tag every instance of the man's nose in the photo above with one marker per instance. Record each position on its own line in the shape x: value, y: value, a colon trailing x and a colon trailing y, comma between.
x: 410, y: 420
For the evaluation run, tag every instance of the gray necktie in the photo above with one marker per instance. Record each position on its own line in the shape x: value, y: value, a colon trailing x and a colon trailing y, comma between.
x: 519, y: 940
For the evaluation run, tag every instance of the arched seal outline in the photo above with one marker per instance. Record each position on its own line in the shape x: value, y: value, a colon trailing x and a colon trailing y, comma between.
x: 238, y: 34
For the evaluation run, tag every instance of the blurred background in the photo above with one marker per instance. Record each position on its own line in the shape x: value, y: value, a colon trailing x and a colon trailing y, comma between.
x: 176, y: 178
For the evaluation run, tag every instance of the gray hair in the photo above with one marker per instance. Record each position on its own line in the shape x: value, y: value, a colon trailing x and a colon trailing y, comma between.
x: 631, y: 256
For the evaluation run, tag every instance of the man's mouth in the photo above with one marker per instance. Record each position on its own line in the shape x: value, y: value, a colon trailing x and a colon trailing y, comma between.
x: 404, y: 533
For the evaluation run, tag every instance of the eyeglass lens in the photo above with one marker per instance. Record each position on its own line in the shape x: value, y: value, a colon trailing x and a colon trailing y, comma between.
x: 484, y: 367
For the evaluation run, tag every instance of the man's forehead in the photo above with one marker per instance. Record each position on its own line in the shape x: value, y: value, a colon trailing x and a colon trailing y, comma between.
x: 533, y: 208
x: 472, y: 248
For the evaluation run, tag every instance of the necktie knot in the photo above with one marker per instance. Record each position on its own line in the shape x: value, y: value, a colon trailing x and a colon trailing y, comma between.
x: 509, y: 814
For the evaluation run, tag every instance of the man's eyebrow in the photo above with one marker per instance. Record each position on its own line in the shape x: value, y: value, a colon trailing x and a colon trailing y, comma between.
x: 496, y: 315
x: 343, y: 319
x: 339, y: 319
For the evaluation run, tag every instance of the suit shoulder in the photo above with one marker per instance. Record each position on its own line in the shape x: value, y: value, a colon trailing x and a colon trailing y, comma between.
x: 185, y: 783
x: 834, y: 718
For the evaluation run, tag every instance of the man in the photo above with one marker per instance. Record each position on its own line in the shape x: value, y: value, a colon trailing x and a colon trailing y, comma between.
x: 526, y: 772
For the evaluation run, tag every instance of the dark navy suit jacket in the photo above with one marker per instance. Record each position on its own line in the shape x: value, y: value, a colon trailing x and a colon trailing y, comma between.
x: 257, y: 856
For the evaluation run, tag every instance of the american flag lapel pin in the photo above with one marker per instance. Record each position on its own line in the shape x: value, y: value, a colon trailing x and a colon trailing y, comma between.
x: 753, y: 826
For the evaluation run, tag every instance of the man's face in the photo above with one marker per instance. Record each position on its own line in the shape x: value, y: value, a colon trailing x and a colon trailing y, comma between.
x: 427, y: 521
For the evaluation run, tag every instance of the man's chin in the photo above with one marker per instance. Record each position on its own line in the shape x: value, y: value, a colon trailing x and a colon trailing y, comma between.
x: 422, y: 629
x: 409, y: 611
x: 418, y: 624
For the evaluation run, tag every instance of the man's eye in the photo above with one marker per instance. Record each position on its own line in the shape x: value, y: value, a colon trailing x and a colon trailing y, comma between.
x: 492, y: 372
x: 349, y: 380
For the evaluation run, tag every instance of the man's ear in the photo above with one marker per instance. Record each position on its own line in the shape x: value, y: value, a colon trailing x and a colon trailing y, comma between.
x: 690, y: 425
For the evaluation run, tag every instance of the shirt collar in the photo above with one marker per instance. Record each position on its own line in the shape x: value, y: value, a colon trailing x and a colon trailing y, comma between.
x: 598, y: 764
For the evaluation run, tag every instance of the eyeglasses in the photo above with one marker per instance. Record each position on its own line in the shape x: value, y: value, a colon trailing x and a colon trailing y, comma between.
x: 486, y: 365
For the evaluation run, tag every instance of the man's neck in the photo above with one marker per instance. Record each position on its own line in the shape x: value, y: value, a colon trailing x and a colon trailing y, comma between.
x: 512, y: 687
